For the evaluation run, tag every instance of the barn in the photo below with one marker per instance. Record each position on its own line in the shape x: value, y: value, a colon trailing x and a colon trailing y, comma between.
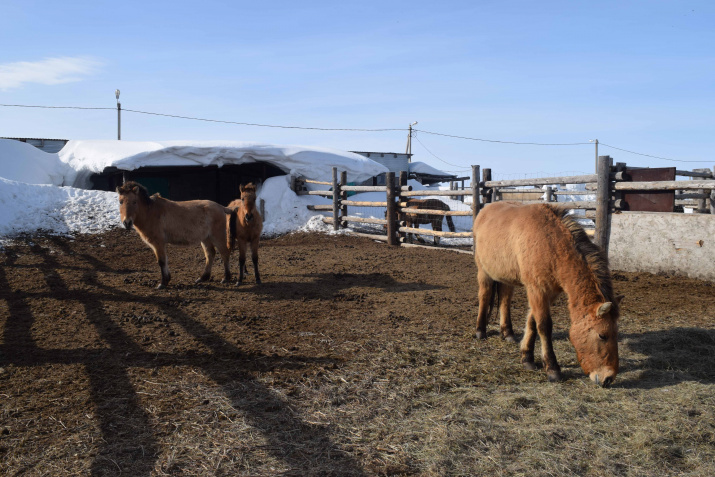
x: 214, y: 170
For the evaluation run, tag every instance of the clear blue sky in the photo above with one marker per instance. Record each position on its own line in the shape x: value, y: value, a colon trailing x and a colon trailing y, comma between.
x: 639, y: 75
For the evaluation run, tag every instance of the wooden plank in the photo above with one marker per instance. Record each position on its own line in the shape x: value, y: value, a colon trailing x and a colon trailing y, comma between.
x: 359, y: 203
x: 432, y: 247
x: 364, y: 220
x: 413, y: 211
x: 418, y: 193
x: 391, y: 212
x: 697, y: 173
x: 309, y: 181
x: 328, y: 193
x: 382, y: 238
x: 665, y: 185
x: 543, y: 181
x: 413, y: 230
x: 320, y: 207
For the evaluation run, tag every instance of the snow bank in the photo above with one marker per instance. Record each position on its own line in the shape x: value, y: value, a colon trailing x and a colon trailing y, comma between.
x: 87, y: 157
x: 23, y: 162
x: 27, y: 208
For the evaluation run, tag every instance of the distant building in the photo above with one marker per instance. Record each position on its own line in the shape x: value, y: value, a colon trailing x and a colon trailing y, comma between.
x: 397, y: 162
x: 46, y: 145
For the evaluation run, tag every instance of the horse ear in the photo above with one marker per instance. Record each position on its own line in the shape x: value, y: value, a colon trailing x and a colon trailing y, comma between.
x: 242, y: 188
x: 619, y: 299
x: 604, y: 308
x: 135, y: 189
x: 117, y: 190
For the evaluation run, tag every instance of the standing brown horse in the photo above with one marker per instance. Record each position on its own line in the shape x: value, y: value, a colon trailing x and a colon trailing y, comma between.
x: 161, y: 221
x: 245, y: 225
x: 540, y: 247
x: 414, y: 220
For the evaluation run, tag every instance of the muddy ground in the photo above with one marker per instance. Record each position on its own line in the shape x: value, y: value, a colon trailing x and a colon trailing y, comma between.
x: 352, y: 358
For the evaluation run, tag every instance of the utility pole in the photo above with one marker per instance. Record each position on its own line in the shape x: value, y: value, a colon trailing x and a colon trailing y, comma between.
x: 409, y: 143
x: 119, y: 117
x: 595, y: 141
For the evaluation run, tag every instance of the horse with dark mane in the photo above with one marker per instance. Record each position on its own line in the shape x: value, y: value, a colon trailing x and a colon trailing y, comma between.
x: 161, y: 221
x: 542, y: 248
x: 414, y: 220
x: 245, y: 225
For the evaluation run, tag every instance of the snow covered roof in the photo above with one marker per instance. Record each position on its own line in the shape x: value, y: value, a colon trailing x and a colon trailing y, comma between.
x: 422, y: 168
x: 88, y: 157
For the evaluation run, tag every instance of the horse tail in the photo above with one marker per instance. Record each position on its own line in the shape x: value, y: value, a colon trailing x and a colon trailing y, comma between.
x: 232, y: 228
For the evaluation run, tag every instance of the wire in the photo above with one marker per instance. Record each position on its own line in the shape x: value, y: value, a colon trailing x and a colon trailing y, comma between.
x: 648, y: 155
x: 263, y: 125
x: 50, y: 107
x: 433, y: 154
x: 503, y: 142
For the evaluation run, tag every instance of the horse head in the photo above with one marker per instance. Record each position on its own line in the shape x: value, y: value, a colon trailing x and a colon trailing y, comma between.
x: 595, y: 337
x: 132, y: 196
x: 248, y: 196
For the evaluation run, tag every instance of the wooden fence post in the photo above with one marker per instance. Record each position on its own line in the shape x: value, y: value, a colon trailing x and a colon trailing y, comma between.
x: 487, y: 176
x: 603, y: 196
x: 391, y: 214
x: 476, y: 192
x: 336, y: 200
x: 403, y: 182
x: 344, y: 196
x: 712, y: 196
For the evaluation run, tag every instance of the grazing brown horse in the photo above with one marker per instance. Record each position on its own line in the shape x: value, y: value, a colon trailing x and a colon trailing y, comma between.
x: 540, y: 247
x: 414, y: 220
x: 161, y: 221
x: 245, y: 225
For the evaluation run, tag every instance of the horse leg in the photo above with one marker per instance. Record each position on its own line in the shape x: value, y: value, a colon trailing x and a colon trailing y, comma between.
x: 254, y: 257
x: 162, y: 259
x: 505, y: 294
x: 527, y: 343
x: 210, y: 253
x: 437, y: 226
x: 241, y: 260
x: 542, y: 316
x: 485, y: 297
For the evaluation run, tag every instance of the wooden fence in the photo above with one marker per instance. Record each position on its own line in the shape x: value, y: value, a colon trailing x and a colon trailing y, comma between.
x: 609, y: 184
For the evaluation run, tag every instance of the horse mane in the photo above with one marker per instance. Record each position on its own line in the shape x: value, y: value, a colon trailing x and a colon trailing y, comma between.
x: 593, y: 255
x: 142, y: 191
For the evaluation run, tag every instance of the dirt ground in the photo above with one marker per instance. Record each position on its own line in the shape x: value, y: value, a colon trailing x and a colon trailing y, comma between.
x: 352, y: 358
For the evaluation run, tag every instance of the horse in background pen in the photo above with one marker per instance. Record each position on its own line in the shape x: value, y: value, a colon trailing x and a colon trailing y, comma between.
x: 245, y: 225
x: 414, y: 220
x: 540, y: 247
x: 161, y: 221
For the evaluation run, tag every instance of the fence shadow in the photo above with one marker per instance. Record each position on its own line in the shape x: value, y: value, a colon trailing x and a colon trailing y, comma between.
x: 118, y: 411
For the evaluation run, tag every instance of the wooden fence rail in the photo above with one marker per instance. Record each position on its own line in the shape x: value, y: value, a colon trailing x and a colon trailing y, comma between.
x: 607, y: 182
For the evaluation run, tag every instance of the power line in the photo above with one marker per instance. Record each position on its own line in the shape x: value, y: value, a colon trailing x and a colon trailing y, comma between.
x: 211, y: 120
x: 435, y: 156
x: 648, y: 155
x: 503, y: 142
x: 354, y: 130
x: 51, y: 107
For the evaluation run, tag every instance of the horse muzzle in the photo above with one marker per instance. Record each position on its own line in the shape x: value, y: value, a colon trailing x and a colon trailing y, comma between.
x: 603, y: 378
x: 249, y: 217
x: 128, y: 224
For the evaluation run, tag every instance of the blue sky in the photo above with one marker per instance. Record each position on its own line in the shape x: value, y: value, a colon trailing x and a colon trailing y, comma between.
x: 636, y: 75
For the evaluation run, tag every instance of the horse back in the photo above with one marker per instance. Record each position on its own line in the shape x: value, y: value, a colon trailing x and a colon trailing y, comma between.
x: 192, y: 221
x: 518, y: 244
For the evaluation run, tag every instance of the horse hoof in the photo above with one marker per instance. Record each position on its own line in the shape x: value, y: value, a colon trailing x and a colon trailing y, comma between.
x: 510, y: 339
x: 160, y: 286
x: 481, y: 335
x: 529, y: 366
x: 554, y: 376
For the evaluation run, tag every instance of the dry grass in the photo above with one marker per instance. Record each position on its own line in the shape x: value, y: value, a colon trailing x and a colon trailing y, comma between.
x: 331, y: 368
